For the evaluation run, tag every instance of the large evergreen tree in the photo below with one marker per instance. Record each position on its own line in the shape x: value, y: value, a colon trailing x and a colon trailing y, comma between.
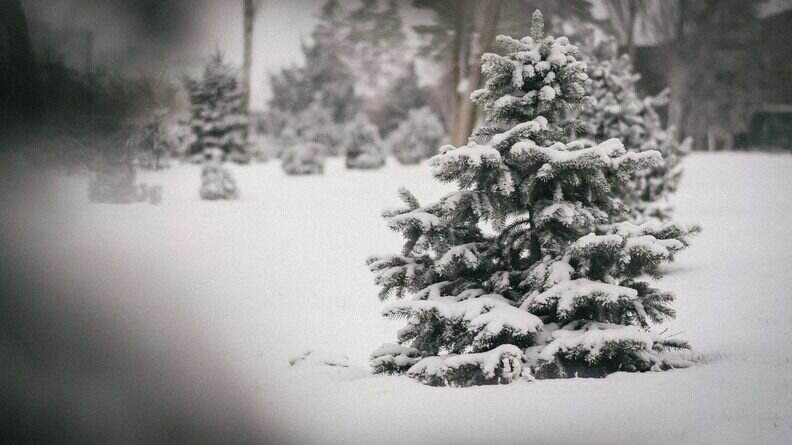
x: 217, y: 117
x: 507, y: 276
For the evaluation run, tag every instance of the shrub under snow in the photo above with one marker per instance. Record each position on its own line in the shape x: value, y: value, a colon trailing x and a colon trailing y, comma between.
x: 303, y: 158
x: 418, y: 137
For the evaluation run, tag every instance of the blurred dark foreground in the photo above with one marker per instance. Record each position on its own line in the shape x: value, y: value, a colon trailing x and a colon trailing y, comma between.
x: 74, y: 371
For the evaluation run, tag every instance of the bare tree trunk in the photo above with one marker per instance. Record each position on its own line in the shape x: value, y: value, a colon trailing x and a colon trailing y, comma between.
x: 21, y: 102
x: 677, y: 76
x: 454, y: 75
x: 632, y: 17
x: 249, y: 12
x: 467, y: 114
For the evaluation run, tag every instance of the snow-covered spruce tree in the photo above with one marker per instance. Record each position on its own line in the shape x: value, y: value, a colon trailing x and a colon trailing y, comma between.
x: 417, y: 137
x: 216, y: 180
x: 362, y: 145
x: 216, y: 116
x: 506, y: 277
x: 618, y: 111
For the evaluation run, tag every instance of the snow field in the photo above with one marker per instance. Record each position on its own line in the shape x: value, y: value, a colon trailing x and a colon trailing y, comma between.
x: 254, y: 282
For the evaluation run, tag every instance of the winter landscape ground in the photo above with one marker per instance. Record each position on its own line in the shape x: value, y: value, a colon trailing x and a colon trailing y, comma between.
x: 255, y: 282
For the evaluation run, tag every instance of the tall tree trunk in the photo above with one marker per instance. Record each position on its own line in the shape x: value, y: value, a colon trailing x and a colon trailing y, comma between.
x: 467, y: 115
x: 249, y: 12
x: 455, y: 70
x: 632, y: 18
x: 677, y: 76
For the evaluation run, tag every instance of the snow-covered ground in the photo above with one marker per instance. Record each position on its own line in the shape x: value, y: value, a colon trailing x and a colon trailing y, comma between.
x: 255, y: 282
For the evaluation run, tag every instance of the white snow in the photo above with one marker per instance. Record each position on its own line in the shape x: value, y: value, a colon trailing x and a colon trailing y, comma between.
x: 281, y: 270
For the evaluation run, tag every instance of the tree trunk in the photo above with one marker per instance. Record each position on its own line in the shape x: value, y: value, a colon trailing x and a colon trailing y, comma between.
x: 454, y: 77
x: 632, y: 17
x: 21, y: 103
x: 677, y: 76
x: 467, y: 114
x: 247, y: 60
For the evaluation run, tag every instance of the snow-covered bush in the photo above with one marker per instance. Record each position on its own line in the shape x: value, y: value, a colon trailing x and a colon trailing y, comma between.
x: 112, y: 178
x: 618, y: 111
x: 217, y: 182
x: 538, y: 291
x: 362, y: 145
x: 217, y: 118
x: 303, y: 158
x: 417, y: 138
x: 315, y: 124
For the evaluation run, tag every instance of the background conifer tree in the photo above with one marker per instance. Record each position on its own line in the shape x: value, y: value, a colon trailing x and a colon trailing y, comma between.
x: 506, y: 276
x: 325, y: 80
x: 618, y: 111
x: 217, y: 118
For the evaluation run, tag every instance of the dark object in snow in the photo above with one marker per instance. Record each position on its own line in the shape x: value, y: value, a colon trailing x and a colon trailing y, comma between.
x: 771, y: 127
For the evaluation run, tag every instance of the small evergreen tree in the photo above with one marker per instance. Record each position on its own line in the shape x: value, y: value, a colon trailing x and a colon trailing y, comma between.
x: 507, y: 276
x: 417, y: 137
x: 618, y: 111
x: 363, y: 145
x: 216, y: 180
x: 217, y: 118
